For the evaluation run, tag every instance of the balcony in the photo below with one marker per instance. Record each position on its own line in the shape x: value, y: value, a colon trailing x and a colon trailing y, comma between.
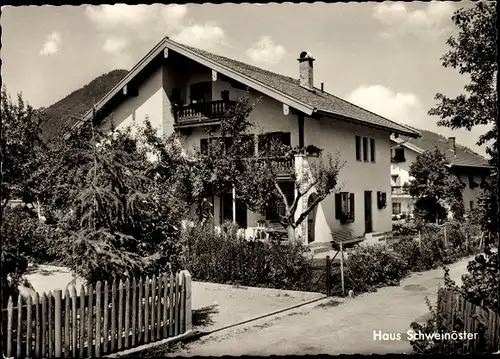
x: 398, y: 191
x: 194, y: 114
x: 285, y: 167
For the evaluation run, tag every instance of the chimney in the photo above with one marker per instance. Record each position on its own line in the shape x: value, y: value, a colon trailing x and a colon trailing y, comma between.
x: 322, y: 87
x: 451, y: 145
x: 306, y: 70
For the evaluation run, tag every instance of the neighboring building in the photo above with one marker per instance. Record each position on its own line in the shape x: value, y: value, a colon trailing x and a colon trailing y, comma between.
x: 185, y: 90
x: 471, y: 168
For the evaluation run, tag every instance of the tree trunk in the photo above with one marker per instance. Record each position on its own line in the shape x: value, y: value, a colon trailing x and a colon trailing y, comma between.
x: 291, y: 233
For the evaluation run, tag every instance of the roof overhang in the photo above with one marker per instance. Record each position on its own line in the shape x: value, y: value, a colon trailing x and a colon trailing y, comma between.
x: 485, y: 167
x: 409, y: 133
x: 224, y: 70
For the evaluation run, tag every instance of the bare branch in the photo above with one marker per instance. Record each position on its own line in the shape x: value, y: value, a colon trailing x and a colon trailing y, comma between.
x: 308, y: 210
x: 276, y: 185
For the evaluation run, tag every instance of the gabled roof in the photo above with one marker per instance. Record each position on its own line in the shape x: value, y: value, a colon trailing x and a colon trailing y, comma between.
x: 282, y: 88
x: 428, y: 141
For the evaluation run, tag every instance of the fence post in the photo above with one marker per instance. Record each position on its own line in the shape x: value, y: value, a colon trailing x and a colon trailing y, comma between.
x: 74, y: 322
x: 67, y: 311
x: 38, y: 326
x: 342, y: 266
x: 57, y: 324
x: 19, y: 324
x: 10, y: 310
x: 188, y: 324
x: 98, y: 317
x: 328, y: 277
x: 29, y: 328
x: 127, y: 313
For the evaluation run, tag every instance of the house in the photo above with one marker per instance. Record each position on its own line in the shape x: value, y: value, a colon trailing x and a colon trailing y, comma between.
x: 471, y: 168
x: 185, y: 90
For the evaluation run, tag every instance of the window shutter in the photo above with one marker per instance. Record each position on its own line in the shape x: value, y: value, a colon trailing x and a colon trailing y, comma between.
x: 338, y: 205
x: 358, y: 148
x: 351, y: 199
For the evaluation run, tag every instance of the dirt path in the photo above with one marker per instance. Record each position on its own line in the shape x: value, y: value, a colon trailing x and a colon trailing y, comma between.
x: 335, y: 328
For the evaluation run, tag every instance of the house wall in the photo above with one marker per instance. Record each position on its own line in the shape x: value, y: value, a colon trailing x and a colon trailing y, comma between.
x: 355, y: 177
x: 267, y: 116
x: 147, y: 104
x: 153, y: 101
x: 470, y: 194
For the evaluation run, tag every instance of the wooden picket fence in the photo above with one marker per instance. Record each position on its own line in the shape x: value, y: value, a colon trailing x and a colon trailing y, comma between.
x: 101, y: 320
x: 475, y: 319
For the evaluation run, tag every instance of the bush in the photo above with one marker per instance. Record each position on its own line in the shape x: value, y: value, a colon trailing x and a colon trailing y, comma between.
x: 372, y: 266
x: 227, y: 258
x: 481, y: 283
x: 404, y: 229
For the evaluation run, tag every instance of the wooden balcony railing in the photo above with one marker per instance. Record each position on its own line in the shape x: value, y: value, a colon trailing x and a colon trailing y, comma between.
x: 198, y: 111
x: 283, y: 166
x: 398, y: 190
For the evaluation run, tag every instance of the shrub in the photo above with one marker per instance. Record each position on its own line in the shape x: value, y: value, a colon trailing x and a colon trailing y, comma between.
x: 372, y: 266
x: 223, y: 256
x: 404, y: 229
x: 481, y: 283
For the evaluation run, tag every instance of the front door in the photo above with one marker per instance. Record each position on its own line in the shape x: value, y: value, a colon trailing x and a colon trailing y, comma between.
x: 368, y: 212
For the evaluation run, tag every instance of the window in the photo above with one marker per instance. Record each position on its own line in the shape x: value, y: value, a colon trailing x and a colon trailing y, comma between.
x: 227, y: 142
x: 394, y: 179
x: 381, y: 200
x: 224, y: 95
x: 372, y: 149
x: 201, y: 92
x: 472, y: 183
x: 399, y: 155
x: 483, y: 181
x: 365, y: 149
x: 267, y: 140
x: 206, y: 144
x: 358, y: 148
x: 396, y: 208
x: 249, y: 144
x: 344, y: 207
x: 177, y: 96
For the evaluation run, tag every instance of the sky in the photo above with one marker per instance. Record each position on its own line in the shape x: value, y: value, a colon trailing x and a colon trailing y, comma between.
x: 384, y: 57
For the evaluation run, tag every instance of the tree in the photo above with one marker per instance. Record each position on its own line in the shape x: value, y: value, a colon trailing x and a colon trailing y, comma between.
x: 433, y: 187
x: 114, y: 215
x: 474, y: 53
x: 20, y: 150
x: 229, y: 161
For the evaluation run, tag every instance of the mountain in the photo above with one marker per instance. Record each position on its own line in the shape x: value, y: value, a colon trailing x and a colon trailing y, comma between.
x: 64, y: 113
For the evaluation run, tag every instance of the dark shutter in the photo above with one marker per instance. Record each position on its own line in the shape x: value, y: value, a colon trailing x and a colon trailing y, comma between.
x: 365, y: 149
x: 338, y: 205
x: 358, y: 148
x: 351, y: 199
x: 372, y: 149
